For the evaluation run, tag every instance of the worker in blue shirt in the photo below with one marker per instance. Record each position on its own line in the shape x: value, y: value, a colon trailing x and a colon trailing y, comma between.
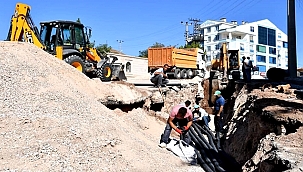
x: 218, y: 111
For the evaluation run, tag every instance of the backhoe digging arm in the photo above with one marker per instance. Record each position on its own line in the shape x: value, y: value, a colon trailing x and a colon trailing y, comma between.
x: 22, y: 27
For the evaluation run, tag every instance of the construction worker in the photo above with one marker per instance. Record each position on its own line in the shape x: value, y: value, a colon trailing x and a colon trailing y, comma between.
x: 218, y: 111
x: 243, y: 69
x: 203, y: 116
x: 248, y: 66
x: 159, y: 77
x: 186, y: 103
x: 180, y: 119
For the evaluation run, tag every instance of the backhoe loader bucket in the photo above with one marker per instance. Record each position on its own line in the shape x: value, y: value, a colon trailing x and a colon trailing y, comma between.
x: 118, y: 72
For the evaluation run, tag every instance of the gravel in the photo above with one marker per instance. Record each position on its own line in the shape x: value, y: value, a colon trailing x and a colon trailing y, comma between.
x: 51, y: 119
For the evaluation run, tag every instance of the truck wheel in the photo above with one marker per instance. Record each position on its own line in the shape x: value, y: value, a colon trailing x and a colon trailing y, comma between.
x: 75, y: 61
x: 183, y: 74
x: 202, y: 75
x: 190, y: 73
x: 177, y: 74
x: 105, y: 72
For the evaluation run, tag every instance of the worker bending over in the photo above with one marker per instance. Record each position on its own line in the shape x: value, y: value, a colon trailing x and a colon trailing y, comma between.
x: 180, y: 119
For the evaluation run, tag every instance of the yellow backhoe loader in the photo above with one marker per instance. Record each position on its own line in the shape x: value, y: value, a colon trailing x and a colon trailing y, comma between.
x: 68, y: 41
x: 228, y: 63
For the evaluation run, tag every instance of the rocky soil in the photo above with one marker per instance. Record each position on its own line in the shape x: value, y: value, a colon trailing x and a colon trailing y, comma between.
x: 264, y: 130
x: 54, y: 118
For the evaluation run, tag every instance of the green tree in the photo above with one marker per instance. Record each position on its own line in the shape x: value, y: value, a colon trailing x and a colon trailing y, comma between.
x: 193, y: 44
x: 103, y: 48
x: 144, y: 53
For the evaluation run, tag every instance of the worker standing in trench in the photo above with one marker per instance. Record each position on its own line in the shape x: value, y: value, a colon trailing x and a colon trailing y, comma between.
x: 180, y: 119
x: 218, y: 112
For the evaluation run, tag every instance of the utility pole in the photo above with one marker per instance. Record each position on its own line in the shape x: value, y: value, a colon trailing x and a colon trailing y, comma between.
x: 186, y: 31
x: 196, y: 27
x: 291, y: 35
x: 120, y: 45
x: 197, y: 35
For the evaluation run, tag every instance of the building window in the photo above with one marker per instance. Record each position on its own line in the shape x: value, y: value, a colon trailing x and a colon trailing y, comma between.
x: 262, y: 68
x: 279, y: 46
x: 242, y: 47
x: 272, y: 60
x: 285, y: 44
x: 208, y: 29
x: 272, y: 50
x: 209, y: 39
x: 252, y: 29
x: 251, y: 39
x: 262, y: 36
x: 279, y: 35
x: 271, y: 37
x: 217, y: 47
x: 208, y: 58
x: 261, y: 58
x: 251, y: 48
x: 128, y: 67
x: 266, y: 36
x: 261, y: 49
x: 217, y: 27
x: 238, y: 37
x: 208, y: 48
x: 216, y: 37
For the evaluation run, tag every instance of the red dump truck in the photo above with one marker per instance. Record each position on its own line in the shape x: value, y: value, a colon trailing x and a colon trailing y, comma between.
x: 184, y: 63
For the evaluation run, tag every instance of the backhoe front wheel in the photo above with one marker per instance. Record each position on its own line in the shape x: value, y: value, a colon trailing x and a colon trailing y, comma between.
x: 76, y: 62
x: 105, y: 72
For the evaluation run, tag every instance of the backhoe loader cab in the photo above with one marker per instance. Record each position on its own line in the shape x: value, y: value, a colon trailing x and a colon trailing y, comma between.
x: 70, y: 35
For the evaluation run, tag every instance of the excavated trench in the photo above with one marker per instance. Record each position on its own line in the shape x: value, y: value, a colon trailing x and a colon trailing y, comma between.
x: 252, y: 119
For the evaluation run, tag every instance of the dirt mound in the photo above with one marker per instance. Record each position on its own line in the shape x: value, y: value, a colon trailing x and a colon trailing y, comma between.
x: 51, y: 119
x: 265, y: 131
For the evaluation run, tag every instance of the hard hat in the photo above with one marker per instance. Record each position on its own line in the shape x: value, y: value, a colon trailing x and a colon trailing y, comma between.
x: 217, y: 93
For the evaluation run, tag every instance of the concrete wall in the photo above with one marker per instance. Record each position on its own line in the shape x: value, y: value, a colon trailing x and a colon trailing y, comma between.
x: 132, y: 64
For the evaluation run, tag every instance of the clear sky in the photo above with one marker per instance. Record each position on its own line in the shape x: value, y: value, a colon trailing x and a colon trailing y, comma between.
x: 141, y: 23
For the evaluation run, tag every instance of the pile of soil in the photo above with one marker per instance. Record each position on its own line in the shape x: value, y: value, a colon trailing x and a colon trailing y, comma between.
x: 52, y: 119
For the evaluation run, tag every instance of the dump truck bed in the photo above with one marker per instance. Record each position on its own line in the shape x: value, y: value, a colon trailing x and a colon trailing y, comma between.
x: 180, y: 58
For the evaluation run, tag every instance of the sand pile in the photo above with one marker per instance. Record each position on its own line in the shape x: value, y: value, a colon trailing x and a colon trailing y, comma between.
x: 51, y: 118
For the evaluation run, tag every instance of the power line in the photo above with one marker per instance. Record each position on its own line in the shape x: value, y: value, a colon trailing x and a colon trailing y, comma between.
x: 232, y: 8
x: 246, y: 6
x: 221, y: 8
x: 204, y: 7
x: 164, y: 30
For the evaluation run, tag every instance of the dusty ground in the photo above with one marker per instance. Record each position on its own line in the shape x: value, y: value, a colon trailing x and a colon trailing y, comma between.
x: 52, y: 119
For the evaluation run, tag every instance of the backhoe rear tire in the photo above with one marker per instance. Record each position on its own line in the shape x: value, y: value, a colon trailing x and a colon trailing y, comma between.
x: 105, y: 72
x: 76, y: 62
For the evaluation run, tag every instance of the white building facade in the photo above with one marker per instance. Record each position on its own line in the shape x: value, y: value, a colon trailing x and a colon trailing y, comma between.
x: 262, y: 41
x: 133, y: 65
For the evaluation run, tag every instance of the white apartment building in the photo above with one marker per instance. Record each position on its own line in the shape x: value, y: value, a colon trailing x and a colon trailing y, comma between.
x: 262, y: 41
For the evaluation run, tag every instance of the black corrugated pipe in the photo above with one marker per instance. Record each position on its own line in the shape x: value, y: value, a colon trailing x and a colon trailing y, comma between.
x: 200, y: 137
x: 204, y: 150
x: 205, y: 164
x: 210, y: 138
x: 207, y: 129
